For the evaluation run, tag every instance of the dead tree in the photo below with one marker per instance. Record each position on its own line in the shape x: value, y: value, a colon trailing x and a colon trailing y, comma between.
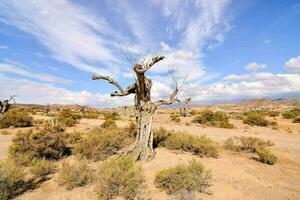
x: 184, y: 112
x: 142, y: 148
x: 5, y: 105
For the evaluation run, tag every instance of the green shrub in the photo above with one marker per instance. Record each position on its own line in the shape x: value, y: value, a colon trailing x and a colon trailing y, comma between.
x: 190, y: 177
x: 76, y: 174
x: 291, y: 114
x: 111, y: 115
x: 68, y: 118
x: 15, y: 118
x: 265, y: 156
x: 109, y: 123
x: 175, y: 118
x: 296, y: 120
x: 255, y: 120
x: 42, y: 168
x: 49, y: 142
x: 12, y: 180
x: 199, y: 145
x: 246, y: 144
x: 119, y: 176
x: 273, y: 113
x: 159, y: 137
x: 103, y: 143
x: 214, y: 119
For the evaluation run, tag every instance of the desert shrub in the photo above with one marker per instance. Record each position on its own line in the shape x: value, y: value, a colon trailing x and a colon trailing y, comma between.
x: 265, y: 156
x: 246, y: 144
x: 296, y: 120
x: 119, y: 176
x: 5, y: 132
x: 68, y: 118
x: 12, y: 180
x: 41, y: 168
x: 199, y: 145
x: 189, y: 177
x: 90, y: 114
x: 255, y: 120
x: 193, y: 112
x: 215, y: 119
x: 111, y: 115
x: 185, y: 195
x: 159, y: 137
x: 236, y: 115
x: 49, y: 143
x: 15, y: 118
x: 291, y: 114
x: 109, y: 123
x: 273, y: 113
x: 75, y: 174
x: 38, y: 121
x: 102, y: 143
x: 175, y: 118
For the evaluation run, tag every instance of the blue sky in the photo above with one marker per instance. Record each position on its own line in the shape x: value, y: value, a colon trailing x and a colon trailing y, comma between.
x: 231, y: 50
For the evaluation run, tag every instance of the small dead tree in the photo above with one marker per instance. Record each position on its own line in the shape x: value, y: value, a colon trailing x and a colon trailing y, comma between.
x: 184, y: 112
x: 142, y: 148
x: 5, y: 105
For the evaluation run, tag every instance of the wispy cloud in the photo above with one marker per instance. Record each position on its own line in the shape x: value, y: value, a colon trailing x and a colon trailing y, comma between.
x: 3, y: 47
x: 255, y: 66
x: 21, y: 71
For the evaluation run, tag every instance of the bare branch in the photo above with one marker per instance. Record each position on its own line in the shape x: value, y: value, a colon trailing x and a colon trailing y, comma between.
x: 142, y: 69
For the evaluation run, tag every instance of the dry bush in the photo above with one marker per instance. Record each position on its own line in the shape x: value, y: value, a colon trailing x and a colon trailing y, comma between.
x: 215, y: 119
x: 273, y: 113
x: 75, y: 174
x: 246, y: 144
x: 265, y: 156
x: 119, y: 176
x: 49, y: 142
x: 199, y: 145
x: 38, y: 122
x: 291, y: 114
x: 236, y: 115
x: 159, y: 137
x: 252, y: 145
x: 68, y: 118
x: 41, y: 168
x: 185, y: 195
x: 5, y: 132
x: 12, y: 180
x: 193, y: 112
x: 175, y: 118
x: 189, y: 177
x: 111, y: 115
x: 103, y: 143
x: 109, y: 123
x: 296, y: 120
x: 255, y: 119
x: 15, y: 118
x: 90, y: 114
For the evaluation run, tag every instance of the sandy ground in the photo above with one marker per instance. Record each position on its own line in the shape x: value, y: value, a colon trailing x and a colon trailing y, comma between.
x: 235, y: 175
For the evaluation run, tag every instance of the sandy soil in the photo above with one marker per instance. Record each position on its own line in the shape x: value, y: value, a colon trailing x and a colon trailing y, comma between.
x: 235, y: 175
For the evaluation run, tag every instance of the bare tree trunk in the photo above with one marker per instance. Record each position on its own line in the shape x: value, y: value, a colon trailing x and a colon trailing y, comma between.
x: 184, y: 107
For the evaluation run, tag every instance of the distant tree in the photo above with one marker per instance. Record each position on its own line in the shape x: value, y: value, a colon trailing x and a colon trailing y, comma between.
x: 142, y: 148
x: 184, y: 106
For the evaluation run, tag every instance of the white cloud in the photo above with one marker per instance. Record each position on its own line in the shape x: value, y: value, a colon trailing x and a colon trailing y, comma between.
x: 293, y: 64
x: 43, y: 93
x: 255, y: 66
x: 68, y: 30
x: 21, y: 71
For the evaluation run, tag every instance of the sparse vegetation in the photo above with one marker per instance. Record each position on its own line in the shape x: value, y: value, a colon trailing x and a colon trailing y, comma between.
x: 119, y: 176
x: 49, y: 143
x: 68, y: 118
x: 199, y: 145
x: 76, y: 174
x: 214, y: 119
x: 175, y: 118
x: 102, y: 143
x: 15, y: 118
x: 12, y: 180
x: 190, y: 177
x: 41, y: 168
x: 291, y: 114
x: 265, y: 156
x: 109, y: 123
x: 255, y: 119
x: 4, y: 132
x: 296, y: 120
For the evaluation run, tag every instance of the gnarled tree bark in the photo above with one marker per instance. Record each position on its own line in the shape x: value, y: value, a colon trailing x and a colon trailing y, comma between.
x: 5, y: 105
x: 184, y: 112
x: 142, y: 148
